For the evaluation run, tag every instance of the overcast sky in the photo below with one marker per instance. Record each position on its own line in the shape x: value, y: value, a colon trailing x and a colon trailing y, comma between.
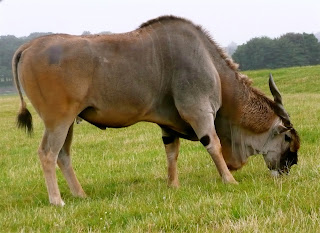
x: 226, y: 21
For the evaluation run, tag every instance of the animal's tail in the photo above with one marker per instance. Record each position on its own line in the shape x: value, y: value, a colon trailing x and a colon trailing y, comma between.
x: 24, y: 118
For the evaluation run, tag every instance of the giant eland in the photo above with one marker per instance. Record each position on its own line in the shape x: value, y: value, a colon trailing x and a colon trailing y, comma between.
x: 169, y: 72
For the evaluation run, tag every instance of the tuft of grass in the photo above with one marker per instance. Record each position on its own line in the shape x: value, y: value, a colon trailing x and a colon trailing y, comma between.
x: 124, y: 174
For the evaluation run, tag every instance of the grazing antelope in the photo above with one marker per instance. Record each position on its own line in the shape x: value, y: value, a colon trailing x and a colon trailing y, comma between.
x: 169, y: 72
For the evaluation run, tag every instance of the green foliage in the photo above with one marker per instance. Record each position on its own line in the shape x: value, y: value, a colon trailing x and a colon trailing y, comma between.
x: 8, y: 45
x: 124, y: 174
x: 291, y: 49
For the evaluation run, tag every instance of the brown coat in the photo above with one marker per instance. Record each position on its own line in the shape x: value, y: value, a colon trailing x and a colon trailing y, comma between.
x: 169, y: 72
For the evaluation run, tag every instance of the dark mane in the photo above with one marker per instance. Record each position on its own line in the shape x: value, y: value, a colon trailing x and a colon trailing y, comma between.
x: 163, y: 19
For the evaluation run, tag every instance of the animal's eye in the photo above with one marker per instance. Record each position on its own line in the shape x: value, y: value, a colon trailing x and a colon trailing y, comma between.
x: 287, y: 138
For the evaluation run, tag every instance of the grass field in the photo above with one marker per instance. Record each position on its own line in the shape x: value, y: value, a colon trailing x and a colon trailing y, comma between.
x: 123, y: 171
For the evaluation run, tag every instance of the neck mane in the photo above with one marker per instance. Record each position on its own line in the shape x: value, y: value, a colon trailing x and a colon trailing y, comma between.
x: 256, y: 111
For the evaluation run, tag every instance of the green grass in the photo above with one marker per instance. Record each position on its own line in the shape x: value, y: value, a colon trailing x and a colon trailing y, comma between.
x: 123, y: 172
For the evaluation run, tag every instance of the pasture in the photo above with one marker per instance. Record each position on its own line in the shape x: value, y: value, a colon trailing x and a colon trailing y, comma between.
x: 124, y: 171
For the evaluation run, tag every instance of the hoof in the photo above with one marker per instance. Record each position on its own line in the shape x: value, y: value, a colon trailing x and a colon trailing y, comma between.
x: 58, y: 202
x: 230, y: 181
x: 81, y: 195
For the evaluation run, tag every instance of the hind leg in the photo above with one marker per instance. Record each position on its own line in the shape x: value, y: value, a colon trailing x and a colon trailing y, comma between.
x: 171, y: 144
x: 64, y: 162
x: 52, y: 142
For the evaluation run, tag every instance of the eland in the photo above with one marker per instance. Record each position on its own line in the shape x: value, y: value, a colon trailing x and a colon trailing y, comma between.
x: 168, y: 71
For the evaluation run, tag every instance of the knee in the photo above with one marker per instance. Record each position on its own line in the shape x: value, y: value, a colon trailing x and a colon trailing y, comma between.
x: 205, y: 140
x: 211, y: 143
x: 48, y: 161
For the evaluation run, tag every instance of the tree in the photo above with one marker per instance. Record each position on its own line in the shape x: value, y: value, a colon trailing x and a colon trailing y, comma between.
x: 104, y: 33
x: 232, y: 47
x: 291, y: 49
x: 85, y: 33
x: 36, y: 35
x: 256, y: 54
x: 312, y: 48
x: 317, y: 35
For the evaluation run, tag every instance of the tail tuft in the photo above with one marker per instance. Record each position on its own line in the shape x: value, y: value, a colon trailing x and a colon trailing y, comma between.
x: 24, y: 120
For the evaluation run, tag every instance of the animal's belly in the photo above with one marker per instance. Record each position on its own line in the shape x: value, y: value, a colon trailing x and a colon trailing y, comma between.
x: 110, y: 119
x: 119, y: 118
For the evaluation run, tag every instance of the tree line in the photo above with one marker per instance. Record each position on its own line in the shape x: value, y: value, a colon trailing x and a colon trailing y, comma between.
x: 291, y: 49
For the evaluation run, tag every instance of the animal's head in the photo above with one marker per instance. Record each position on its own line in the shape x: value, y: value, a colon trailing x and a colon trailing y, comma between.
x: 281, y: 150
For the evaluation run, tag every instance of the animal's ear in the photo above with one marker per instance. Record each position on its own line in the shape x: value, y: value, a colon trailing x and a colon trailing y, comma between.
x: 279, y: 129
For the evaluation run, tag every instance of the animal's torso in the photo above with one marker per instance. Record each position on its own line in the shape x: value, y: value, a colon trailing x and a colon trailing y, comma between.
x: 118, y: 80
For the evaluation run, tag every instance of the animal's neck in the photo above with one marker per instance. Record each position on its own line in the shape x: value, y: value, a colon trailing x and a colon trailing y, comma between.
x: 245, y: 105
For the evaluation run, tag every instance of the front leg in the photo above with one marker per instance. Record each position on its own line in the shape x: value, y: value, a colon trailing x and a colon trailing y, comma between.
x: 171, y: 144
x: 212, y: 143
x: 203, y: 125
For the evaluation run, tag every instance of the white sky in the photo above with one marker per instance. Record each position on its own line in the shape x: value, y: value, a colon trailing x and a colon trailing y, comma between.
x: 226, y: 20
